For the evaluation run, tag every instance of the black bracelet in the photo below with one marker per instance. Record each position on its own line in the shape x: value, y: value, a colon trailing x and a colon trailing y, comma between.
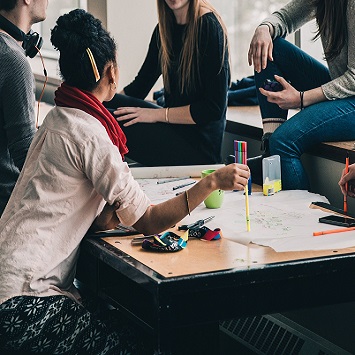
x: 268, y: 24
x: 301, y: 98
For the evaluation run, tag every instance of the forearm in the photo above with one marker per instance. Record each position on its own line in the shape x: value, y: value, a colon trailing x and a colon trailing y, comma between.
x: 161, y: 217
x: 313, y: 96
x: 175, y: 115
x: 164, y: 215
x: 180, y: 115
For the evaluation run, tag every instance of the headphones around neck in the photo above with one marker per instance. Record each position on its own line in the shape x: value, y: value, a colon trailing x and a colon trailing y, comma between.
x: 31, y: 42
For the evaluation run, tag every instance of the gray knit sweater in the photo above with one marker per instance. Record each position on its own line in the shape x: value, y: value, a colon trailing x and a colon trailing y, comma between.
x: 342, y: 69
x: 17, y: 118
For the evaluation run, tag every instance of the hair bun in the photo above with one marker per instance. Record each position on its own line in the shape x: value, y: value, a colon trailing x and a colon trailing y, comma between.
x: 75, y: 31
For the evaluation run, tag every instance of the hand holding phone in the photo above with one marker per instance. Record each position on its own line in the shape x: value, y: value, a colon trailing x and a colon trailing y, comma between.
x: 272, y: 85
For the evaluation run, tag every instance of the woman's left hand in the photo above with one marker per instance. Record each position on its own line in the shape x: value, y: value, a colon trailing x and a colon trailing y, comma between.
x: 286, y: 99
x: 107, y: 219
x: 139, y: 115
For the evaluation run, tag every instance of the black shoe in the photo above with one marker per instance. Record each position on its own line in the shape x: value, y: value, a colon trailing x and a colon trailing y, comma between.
x: 256, y: 163
x: 255, y: 166
x: 265, y: 144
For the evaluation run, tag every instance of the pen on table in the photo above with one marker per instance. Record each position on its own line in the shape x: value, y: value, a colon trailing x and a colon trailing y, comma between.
x: 139, y: 240
x: 331, y: 231
x: 247, y: 215
x: 173, y: 179
x: 346, y: 184
x: 181, y: 186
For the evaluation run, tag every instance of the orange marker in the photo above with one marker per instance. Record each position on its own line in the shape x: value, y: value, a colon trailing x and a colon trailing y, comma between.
x: 346, y: 184
x: 317, y: 234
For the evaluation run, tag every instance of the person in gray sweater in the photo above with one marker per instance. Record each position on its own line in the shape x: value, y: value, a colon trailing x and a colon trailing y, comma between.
x: 324, y: 94
x: 17, y: 116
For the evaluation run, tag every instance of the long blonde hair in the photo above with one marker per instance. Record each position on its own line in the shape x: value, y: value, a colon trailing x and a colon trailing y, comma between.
x: 188, y: 69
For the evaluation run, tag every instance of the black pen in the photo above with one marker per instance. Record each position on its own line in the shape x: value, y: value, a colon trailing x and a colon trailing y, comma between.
x: 181, y: 186
x: 139, y: 240
x: 113, y: 233
x: 172, y: 179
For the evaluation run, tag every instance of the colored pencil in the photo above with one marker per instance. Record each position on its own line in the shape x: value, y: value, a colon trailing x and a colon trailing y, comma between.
x: 240, y: 151
x: 181, y: 186
x: 247, y: 214
x: 331, y: 231
x: 172, y: 179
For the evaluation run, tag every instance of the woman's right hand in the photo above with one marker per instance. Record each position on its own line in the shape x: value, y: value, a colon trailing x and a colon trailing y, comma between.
x: 231, y: 177
x: 134, y: 115
x: 260, y: 49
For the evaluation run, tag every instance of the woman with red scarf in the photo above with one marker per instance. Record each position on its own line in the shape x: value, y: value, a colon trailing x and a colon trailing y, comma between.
x: 74, y: 178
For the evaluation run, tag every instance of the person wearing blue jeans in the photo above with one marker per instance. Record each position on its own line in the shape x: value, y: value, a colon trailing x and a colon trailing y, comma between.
x: 325, y: 95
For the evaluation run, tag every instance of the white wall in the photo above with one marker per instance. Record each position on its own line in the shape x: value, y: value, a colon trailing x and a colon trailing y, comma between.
x: 131, y: 23
x: 313, y: 48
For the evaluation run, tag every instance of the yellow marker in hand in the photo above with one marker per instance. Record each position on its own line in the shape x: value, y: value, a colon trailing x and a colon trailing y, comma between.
x: 247, y: 216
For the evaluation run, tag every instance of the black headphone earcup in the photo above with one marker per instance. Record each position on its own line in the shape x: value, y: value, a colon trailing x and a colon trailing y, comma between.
x: 32, y: 43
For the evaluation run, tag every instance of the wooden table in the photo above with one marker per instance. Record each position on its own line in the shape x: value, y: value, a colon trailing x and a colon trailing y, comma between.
x: 180, y: 297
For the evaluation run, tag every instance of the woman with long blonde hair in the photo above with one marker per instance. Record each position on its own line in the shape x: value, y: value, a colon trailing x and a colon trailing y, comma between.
x: 189, y: 49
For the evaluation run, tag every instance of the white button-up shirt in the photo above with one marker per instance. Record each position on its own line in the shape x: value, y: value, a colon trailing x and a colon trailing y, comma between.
x: 71, y: 170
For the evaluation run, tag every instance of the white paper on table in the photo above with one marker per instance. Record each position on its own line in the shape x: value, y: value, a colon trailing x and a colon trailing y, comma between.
x: 283, y: 221
x: 162, y: 192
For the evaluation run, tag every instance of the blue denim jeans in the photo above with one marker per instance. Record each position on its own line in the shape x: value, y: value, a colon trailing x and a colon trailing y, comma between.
x: 322, y: 122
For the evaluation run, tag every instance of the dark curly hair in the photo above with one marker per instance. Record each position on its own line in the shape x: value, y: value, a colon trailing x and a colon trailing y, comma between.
x: 72, y: 35
x: 7, y: 5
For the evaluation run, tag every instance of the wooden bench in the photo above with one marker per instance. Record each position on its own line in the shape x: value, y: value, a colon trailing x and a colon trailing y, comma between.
x: 246, y: 121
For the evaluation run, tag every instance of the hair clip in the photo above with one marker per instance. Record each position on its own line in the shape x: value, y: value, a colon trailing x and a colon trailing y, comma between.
x: 93, y: 64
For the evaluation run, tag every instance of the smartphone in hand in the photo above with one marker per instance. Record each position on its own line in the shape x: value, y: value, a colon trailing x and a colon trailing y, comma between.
x: 272, y: 85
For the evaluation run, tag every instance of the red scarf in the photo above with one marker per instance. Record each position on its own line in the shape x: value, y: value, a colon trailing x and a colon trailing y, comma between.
x: 69, y: 96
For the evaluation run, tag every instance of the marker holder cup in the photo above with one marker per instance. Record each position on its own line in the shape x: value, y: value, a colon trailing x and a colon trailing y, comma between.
x: 271, y: 175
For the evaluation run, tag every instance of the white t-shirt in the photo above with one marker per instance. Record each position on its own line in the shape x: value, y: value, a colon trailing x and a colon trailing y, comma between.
x: 71, y: 170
